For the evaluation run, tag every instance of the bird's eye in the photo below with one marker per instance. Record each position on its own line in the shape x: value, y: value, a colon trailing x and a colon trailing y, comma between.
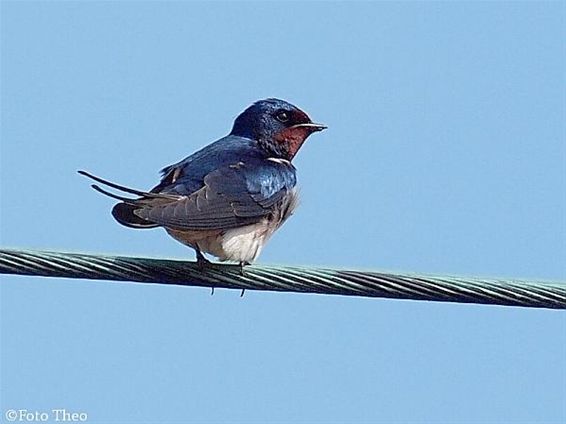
x: 282, y: 117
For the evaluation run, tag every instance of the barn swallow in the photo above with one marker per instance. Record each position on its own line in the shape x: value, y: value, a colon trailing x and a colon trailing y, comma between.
x: 228, y: 198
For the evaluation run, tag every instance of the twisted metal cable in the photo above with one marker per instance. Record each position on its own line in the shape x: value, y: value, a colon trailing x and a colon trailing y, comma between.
x: 535, y: 294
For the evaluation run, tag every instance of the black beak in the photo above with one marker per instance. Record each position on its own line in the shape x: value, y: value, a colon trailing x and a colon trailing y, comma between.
x: 312, y: 126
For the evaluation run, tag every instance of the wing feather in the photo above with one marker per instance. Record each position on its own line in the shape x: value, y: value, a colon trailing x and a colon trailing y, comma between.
x: 230, y: 197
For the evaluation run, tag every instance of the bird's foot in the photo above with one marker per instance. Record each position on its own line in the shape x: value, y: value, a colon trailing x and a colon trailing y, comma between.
x: 242, y: 265
x: 202, y: 262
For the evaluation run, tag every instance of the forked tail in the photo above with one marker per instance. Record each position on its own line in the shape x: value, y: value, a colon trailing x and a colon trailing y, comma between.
x: 124, y: 212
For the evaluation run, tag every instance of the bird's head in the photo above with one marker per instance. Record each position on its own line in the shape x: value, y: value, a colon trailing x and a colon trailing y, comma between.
x: 280, y: 127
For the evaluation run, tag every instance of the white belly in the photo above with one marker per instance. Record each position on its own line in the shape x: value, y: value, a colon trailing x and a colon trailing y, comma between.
x: 244, y: 244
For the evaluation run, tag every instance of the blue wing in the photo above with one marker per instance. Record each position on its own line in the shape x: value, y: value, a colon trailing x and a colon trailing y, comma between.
x: 228, y: 184
x: 231, y: 196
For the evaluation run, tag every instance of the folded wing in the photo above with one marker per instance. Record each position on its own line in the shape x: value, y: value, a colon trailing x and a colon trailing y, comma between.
x: 231, y: 196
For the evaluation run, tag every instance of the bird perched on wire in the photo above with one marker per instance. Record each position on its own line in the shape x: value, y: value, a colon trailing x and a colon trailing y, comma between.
x: 228, y: 198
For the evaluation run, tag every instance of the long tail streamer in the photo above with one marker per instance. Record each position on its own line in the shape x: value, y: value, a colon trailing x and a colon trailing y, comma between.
x: 493, y: 291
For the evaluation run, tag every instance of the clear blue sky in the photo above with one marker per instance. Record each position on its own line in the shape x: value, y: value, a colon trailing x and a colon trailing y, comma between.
x: 445, y: 153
